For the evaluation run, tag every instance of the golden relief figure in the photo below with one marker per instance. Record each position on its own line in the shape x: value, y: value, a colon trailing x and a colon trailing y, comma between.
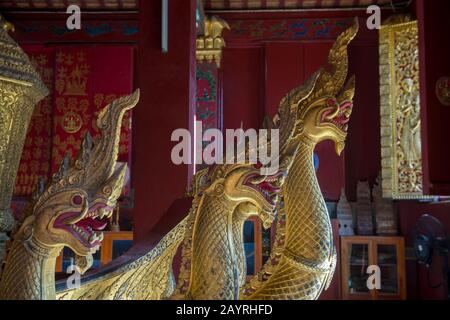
x: 400, y: 111
x: 213, y: 256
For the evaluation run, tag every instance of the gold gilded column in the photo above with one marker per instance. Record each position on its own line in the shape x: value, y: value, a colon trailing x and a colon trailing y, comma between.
x: 20, y: 90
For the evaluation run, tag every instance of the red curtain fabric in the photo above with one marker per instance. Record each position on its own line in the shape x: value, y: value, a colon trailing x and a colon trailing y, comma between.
x: 82, y: 81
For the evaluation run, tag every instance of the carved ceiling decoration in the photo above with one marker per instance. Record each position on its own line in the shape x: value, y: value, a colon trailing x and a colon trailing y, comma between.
x: 63, y: 4
x: 291, y: 4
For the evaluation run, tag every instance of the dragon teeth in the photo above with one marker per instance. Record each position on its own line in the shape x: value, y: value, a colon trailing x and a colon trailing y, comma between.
x: 92, y: 238
x: 96, y: 237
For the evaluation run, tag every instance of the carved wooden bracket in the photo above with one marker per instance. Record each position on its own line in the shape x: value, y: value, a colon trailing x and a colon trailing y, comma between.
x: 209, y: 46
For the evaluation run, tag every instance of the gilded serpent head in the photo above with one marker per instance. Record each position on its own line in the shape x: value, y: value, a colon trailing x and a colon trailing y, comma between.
x: 321, y: 108
x: 327, y: 118
x: 243, y: 187
x: 74, y: 207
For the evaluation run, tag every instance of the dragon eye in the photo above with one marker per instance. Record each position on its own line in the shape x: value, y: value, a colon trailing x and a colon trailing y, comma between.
x: 331, y: 102
x: 77, y: 200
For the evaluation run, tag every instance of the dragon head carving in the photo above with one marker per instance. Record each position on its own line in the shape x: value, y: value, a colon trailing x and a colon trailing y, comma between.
x: 321, y: 109
x: 327, y: 118
x: 73, y: 208
x: 243, y: 187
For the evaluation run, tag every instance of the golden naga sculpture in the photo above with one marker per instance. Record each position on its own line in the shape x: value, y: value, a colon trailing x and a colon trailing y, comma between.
x: 213, y: 247
x: 71, y: 211
x: 224, y: 196
x: 303, y: 258
x: 213, y: 264
x: 20, y: 90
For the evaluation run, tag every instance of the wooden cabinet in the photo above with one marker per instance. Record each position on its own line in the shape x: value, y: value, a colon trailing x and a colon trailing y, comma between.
x: 386, y: 255
x: 115, y: 244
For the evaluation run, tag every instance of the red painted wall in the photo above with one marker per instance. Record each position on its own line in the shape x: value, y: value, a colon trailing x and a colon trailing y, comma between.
x: 167, y: 98
x: 363, y: 149
x: 434, y: 25
x: 242, y: 82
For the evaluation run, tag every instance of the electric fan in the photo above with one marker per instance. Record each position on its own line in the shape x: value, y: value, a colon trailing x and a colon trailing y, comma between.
x: 429, y: 238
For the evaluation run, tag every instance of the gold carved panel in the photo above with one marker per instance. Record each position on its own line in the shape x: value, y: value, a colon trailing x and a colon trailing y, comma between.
x: 401, y: 149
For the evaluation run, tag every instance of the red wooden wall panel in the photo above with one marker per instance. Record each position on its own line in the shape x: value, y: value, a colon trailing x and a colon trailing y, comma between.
x: 167, y: 102
x: 434, y: 25
x: 363, y: 157
x: 283, y: 64
x: 316, y: 54
x: 242, y: 88
x: 257, y: 75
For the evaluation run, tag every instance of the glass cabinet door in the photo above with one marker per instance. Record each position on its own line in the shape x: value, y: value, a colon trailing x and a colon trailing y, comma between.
x: 358, y: 262
x: 384, y: 280
x: 387, y: 256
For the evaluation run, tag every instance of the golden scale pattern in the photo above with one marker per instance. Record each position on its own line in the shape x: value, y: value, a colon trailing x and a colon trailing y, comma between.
x: 137, y: 280
x: 307, y: 237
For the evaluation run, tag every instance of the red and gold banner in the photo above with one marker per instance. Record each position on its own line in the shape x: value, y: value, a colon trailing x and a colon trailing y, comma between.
x: 86, y: 80
x: 83, y: 80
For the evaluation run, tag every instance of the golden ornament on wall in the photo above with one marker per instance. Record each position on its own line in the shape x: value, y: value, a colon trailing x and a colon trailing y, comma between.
x: 71, y: 122
x: 443, y: 90
x: 401, y: 143
x: 209, y: 46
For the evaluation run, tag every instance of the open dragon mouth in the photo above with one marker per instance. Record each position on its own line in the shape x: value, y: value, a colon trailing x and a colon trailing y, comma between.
x: 338, y: 115
x: 268, y: 186
x: 88, y: 229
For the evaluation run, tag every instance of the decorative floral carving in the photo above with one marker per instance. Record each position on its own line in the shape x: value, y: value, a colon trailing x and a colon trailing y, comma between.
x: 400, y: 111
